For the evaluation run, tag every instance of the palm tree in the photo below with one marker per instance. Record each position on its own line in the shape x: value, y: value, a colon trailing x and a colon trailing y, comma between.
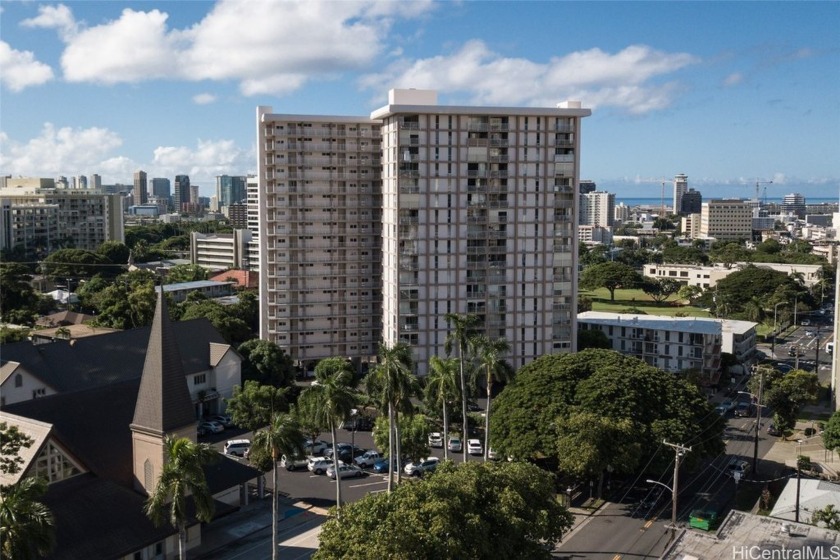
x: 441, y: 388
x: 281, y: 437
x: 182, y: 476
x: 331, y: 399
x: 459, y: 336
x: 394, y: 383
x: 489, y: 354
x: 27, y: 527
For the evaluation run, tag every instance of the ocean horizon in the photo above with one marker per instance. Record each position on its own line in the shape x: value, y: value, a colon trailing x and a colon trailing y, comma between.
x: 655, y: 201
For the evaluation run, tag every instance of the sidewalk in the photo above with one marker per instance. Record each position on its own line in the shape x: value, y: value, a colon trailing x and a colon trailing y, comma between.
x: 248, y: 520
x: 784, y: 451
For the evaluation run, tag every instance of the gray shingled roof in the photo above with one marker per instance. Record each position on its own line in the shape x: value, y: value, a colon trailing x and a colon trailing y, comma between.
x: 163, y: 403
x: 90, y: 362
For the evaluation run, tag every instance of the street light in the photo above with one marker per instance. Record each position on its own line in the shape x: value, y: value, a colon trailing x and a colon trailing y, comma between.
x: 673, y: 502
x: 798, y: 475
x: 569, y: 491
x: 773, y: 342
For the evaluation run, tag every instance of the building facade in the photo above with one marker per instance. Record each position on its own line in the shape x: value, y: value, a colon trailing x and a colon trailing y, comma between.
x: 220, y: 251
x: 691, y: 202
x: 162, y: 189
x: 597, y: 208
x: 672, y: 344
x: 680, y: 188
x: 708, y: 276
x: 726, y: 219
x: 181, y: 196
x: 470, y: 210
x: 319, y: 201
x: 230, y: 190
x: 141, y: 193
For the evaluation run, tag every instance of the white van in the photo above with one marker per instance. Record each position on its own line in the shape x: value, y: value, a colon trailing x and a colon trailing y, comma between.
x: 237, y: 447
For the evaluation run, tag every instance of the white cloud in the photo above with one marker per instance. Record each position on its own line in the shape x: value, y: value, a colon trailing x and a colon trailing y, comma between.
x: 597, y: 78
x: 204, y: 99
x: 54, y: 17
x: 21, y: 70
x: 134, y: 48
x: 81, y: 151
x: 267, y: 46
x: 202, y: 163
x: 733, y: 79
x: 59, y: 151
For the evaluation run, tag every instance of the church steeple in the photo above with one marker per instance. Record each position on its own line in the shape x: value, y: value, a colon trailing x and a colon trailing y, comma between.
x: 164, y: 405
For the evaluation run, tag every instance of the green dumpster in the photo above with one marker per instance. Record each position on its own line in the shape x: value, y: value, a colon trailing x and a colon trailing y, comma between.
x: 704, y: 519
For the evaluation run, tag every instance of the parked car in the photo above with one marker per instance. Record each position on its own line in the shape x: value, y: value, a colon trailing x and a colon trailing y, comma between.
x: 316, y: 448
x: 793, y: 350
x: 345, y: 471
x: 455, y: 444
x: 299, y: 462
x: 772, y: 430
x: 722, y: 410
x: 343, y: 448
x: 473, y: 407
x: 222, y: 419
x: 737, y: 469
x: 435, y: 439
x: 210, y: 427
x: 238, y: 447
x: 729, y: 404
x: 474, y: 447
x: 358, y: 424
x: 368, y: 458
x: 319, y: 465
x: 744, y: 408
x: 425, y: 466
x: 381, y: 466
x: 491, y: 454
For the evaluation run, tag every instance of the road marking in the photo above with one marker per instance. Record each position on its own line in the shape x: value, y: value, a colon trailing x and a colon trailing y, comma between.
x: 367, y: 484
x: 647, y: 525
x: 616, y: 557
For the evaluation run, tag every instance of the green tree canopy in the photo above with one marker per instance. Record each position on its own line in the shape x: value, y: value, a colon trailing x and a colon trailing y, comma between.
x: 234, y: 330
x: 609, y: 275
x: 609, y: 384
x: 185, y: 273
x: 831, y: 433
x: 660, y: 289
x: 18, y: 299
x: 253, y: 405
x: 684, y: 255
x: 592, y: 338
x: 74, y: 264
x: 265, y: 362
x: 413, y: 434
x: 116, y: 253
x: 475, y: 510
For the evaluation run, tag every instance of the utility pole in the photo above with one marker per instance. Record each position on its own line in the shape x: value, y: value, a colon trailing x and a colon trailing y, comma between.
x: 798, y: 475
x: 757, y: 423
x: 679, y: 451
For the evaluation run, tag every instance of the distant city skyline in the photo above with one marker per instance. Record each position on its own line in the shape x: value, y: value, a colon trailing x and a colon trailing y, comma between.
x: 727, y: 93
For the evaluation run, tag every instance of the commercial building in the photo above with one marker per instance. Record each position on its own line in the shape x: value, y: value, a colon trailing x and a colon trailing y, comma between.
x: 587, y: 186
x: 35, y: 212
x: 794, y: 203
x: 726, y: 219
x: 680, y: 188
x: 181, y: 195
x: 220, y: 251
x: 691, y: 202
x: 230, y: 190
x: 161, y: 188
x: 669, y: 343
x: 470, y: 210
x: 141, y: 194
x: 690, y: 225
x: 708, y: 276
x: 597, y: 209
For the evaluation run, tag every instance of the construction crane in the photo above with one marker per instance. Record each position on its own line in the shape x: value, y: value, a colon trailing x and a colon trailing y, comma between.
x: 758, y: 184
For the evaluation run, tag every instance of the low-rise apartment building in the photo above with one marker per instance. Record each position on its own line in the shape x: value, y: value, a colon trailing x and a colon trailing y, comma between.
x: 708, y: 276
x: 672, y: 344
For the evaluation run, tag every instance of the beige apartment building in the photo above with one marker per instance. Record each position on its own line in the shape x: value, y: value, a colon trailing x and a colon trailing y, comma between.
x: 375, y: 228
x: 726, y: 219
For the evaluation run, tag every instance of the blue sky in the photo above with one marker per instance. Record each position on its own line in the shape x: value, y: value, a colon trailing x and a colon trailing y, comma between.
x: 727, y: 93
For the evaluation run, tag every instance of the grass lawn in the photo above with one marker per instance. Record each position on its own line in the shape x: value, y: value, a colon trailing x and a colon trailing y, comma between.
x: 640, y: 300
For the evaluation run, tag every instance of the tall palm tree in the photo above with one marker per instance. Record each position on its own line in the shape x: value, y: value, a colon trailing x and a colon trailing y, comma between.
x: 27, y: 527
x: 489, y: 355
x: 331, y: 398
x: 394, y: 383
x: 281, y: 437
x: 441, y: 388
x: 459, y: 334
x: 182, y: 476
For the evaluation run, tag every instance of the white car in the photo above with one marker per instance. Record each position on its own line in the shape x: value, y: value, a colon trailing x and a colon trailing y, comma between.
x: 474, y: 447
x: 368, y: 458
x: 294, y: 463
x: 738, y: 469
x: 491, y: 454
x: 435, y: 439
x: 319, y: 465
x: 238, y: 447
x: 455, y: 444
x: 345, y: 471
x: 427, y: 465
x: 210, y: 427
